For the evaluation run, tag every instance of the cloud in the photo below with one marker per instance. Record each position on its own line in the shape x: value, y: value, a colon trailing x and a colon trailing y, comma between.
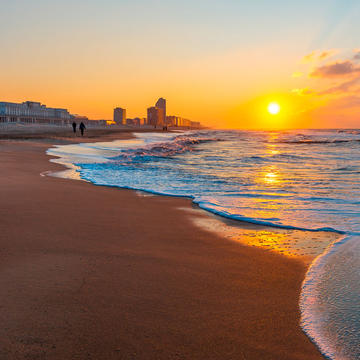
x: 326, y: 54
x: 334, y: 88
x: 302, y: 92
x: 309, y: 57
x: 339, y: 68
x: 318, y: 55
x: 357, y: 54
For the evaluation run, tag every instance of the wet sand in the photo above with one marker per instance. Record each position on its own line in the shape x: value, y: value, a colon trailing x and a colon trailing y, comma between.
x: 90, y: 272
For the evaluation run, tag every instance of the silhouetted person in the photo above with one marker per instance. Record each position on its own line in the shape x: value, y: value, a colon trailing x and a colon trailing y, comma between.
x: 82, y: 128
x: 74, y: 127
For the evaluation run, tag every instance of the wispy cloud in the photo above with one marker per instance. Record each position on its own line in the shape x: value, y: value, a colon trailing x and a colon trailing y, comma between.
x: 303, y: 91
x: 317, y: 55
x: 357, y: 54
x: 336, y: 69
x: 309, y: 57
x: 326, y: 54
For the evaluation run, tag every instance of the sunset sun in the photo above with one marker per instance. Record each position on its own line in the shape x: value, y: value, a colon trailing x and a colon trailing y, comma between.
x: 273, y: 108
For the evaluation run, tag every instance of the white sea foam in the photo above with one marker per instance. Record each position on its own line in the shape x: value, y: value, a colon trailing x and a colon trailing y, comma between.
x: 330, y: 300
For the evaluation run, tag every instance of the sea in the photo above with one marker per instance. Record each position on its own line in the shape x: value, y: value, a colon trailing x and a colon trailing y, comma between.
x: 303, y: 180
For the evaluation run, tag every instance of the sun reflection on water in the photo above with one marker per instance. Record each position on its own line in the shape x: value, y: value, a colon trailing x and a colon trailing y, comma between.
x: 269, y: 182
x: 274, y: 152
x: 271, y: 177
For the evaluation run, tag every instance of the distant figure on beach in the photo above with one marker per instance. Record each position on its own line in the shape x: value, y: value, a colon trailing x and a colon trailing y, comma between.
x: 74, y: 127
x: 82, y: 128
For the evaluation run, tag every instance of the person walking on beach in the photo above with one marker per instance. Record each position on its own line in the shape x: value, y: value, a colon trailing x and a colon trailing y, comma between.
x: 74, y: 127
x: 82, y: 128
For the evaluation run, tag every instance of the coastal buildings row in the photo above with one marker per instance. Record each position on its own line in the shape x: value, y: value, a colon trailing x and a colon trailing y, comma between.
x: 31, y: 112
x: 156, y: 116
x: 181, y: 122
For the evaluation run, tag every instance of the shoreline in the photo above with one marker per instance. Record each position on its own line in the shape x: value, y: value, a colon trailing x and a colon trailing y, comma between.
x: 170, y: 289
x: 233, y: 222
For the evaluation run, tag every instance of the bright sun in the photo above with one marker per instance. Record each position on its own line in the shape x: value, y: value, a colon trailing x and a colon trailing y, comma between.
x: 273, y: 108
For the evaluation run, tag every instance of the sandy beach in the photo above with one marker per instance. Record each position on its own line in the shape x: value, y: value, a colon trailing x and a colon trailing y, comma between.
x: 90, y: 272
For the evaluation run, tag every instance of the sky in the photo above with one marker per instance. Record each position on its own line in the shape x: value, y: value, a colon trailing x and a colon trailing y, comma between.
x: 218, y: 62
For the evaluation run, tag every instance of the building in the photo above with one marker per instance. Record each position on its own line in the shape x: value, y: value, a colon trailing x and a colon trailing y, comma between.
x: 136, y: 121
x: 33, y: 112
x: 80, y: 118
x: 156, y: 115
x: 30, y: 112
x: 181, y: 122
x: 132, y: 122
x: 153, y: 116
x: 99, y: 122
x: 184, y: 122
x: 120, y: 116
x: 195, y: 124
x: 161, y: 105
x: 171, y: 120
x: 142, y: 121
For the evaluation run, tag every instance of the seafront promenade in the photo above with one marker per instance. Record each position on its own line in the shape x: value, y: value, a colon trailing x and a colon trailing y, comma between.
x: 65, y: 132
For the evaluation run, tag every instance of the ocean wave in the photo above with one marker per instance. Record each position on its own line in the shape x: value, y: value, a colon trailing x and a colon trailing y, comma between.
x: 350, y: 131
x: 178, y: 145
x: 272, y: 222
x: 276, y: 158
x: 348, y: 169
x: 310, y: 141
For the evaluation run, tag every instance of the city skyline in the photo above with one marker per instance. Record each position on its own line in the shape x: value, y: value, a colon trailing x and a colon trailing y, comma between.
x: 34, y: 112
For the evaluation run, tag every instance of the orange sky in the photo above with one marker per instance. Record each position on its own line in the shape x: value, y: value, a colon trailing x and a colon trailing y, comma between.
x: 218, y: 63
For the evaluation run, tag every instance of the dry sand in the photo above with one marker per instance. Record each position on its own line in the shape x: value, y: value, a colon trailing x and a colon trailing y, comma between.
x: 90, y: 272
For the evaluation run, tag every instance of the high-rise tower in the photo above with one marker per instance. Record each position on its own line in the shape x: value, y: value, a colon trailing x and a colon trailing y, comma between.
x: 153, y: 114
x: 161, y: 104
x: 120, y: 116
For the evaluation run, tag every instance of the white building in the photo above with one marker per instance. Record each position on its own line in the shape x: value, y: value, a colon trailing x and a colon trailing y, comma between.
x: 33, y: 112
